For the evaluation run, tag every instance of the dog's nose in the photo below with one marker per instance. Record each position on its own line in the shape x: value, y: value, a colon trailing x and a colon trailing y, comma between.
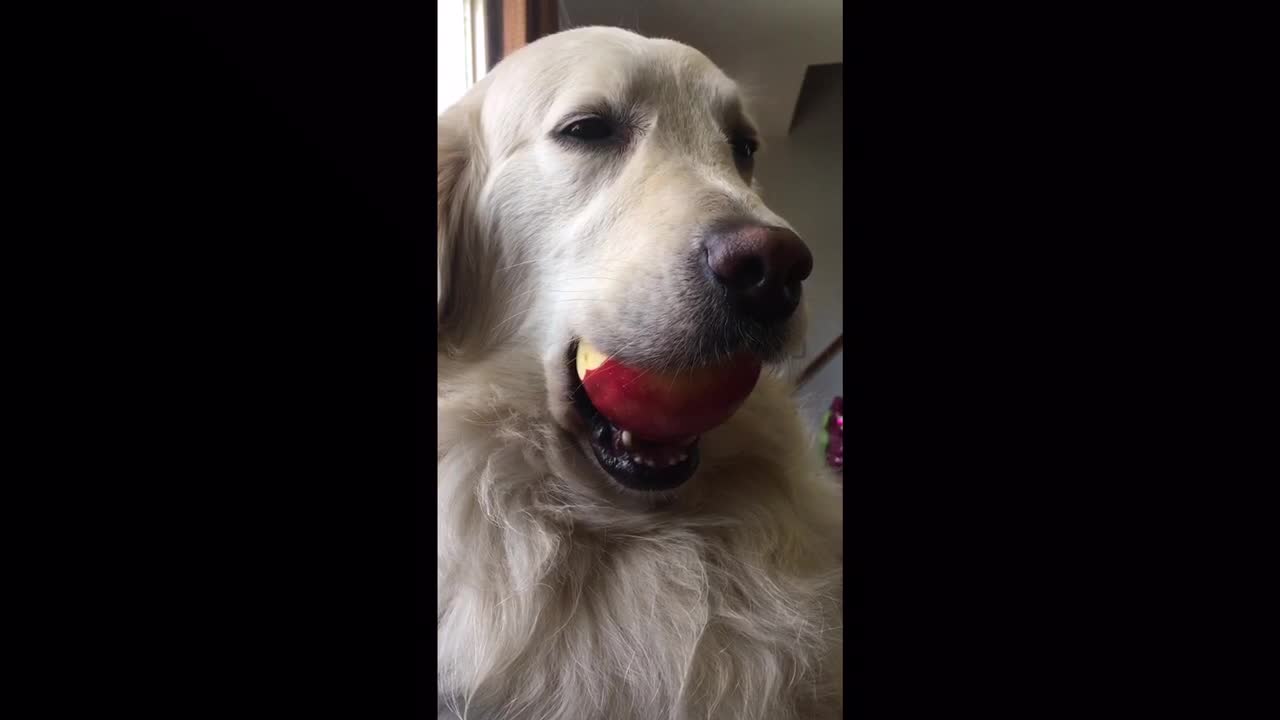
x: 761, y: 268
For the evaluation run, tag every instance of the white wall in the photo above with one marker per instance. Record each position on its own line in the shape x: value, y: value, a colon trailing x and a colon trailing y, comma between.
x: 802, y: 180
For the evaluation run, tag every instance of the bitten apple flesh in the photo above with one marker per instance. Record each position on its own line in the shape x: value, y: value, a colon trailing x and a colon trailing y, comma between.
x: 665, y: 407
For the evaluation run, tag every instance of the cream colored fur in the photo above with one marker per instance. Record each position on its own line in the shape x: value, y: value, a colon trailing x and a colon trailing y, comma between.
x: 562, y: 596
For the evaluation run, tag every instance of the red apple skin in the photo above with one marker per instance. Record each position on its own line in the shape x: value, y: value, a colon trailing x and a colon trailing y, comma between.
x: 670, y: 407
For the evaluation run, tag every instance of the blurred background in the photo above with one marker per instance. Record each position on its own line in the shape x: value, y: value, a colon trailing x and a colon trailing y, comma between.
x: 786, y: 56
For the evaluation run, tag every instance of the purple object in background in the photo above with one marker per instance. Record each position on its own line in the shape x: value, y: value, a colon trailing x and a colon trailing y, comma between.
x: 835, y: 434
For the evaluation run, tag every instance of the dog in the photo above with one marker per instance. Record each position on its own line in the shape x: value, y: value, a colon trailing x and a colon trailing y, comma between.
x: 597, y: 213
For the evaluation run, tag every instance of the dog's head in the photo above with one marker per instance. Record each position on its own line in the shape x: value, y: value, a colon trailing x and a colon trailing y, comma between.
x: 596, y: 202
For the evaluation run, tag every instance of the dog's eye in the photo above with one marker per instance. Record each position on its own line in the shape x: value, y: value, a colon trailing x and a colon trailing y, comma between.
x: 590, y: 129
x: 744, y: 148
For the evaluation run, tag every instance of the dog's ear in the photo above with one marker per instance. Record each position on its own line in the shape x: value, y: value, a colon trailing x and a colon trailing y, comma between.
x: 458, y: 180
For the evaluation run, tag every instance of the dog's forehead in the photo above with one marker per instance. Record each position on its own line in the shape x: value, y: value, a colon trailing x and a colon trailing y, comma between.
x: 578, y: 68
x: 657, y: 70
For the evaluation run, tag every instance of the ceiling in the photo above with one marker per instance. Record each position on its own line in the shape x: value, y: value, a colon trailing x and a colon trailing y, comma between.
x: 765, y: 45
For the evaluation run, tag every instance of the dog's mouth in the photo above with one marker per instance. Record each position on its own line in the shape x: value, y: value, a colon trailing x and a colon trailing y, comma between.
x: 643, y: 425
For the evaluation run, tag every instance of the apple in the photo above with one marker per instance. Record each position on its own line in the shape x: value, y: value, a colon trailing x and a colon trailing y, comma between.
x: 665, y: 407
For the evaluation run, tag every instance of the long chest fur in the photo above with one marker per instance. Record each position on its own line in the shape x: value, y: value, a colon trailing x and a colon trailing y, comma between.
x: 543, y: 614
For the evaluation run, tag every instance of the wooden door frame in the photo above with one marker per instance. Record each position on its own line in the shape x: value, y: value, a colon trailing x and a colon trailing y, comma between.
x: 821, y: 360
x: 512, y: 24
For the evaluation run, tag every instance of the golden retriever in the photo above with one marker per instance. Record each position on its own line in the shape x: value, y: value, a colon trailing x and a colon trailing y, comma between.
x: 664, y: 547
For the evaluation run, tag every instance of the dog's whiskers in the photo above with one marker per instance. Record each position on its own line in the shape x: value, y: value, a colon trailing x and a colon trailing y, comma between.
x: 519, y: 264
x: 513, y: 316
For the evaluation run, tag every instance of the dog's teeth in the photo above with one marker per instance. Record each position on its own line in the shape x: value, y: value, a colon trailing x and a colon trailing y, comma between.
x: 626, y: 438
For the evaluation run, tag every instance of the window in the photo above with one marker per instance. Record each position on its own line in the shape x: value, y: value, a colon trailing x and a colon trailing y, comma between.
x: 460, y: 49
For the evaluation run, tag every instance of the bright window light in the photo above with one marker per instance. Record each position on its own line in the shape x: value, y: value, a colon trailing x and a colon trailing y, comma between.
x: 459, y: 48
